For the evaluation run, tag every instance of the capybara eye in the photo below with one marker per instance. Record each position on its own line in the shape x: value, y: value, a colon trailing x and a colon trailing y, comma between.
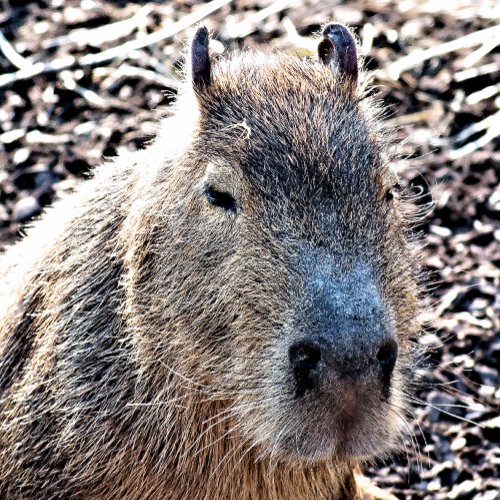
x: 220, y: 199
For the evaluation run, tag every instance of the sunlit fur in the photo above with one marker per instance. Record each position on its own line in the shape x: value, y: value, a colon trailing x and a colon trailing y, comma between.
x: 143, y: 331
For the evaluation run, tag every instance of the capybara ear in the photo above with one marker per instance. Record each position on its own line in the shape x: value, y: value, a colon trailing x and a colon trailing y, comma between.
x: 337, y: 50
x: 200, y: 59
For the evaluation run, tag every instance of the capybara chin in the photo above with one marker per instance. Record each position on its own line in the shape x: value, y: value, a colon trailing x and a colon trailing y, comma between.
x: 227, y: 314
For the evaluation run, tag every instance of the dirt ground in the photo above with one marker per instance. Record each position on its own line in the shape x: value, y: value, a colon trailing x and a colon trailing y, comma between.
x: 68, y: 100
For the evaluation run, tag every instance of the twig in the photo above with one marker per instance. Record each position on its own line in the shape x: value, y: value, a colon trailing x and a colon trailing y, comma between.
x: 12, y: 135
x: 492, y: 126
x: 10, y: 53
x: 483, y: 94
x: 102, y: 34
x: 482, y: 51
x: 37, y: 69
x: 247, y: 26
x: 419, y: 56
x: 126, y: 70
x: 467, y: 74
x: 466, y: 9
x: 168, y: 32
x: 66, y: 78
x: 469, y: 131
x: 119, y: 51
x: 38, y: 137
x: 490, y: 135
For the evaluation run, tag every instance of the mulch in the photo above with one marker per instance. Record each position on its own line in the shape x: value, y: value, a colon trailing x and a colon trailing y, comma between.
x: 57, y: 123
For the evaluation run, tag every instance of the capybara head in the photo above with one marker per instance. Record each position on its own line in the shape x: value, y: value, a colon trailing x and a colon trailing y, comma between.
x: 272, y: 276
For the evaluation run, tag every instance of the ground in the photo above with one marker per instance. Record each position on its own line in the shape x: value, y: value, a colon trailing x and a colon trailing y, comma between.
x: 66, y: 103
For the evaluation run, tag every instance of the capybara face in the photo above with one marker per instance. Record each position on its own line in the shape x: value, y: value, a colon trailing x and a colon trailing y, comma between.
x: 292, y: 299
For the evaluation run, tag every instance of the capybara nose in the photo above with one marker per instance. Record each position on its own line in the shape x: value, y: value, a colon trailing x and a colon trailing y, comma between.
x: 386, y: 356
x: 304, y: 357
x: 316, y: 361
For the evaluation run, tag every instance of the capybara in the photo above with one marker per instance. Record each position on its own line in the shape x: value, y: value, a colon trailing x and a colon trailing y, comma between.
x: 226, y: 314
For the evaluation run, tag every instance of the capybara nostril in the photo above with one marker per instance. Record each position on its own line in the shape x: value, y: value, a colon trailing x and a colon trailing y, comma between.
x: 386, y: 356
x: 304, y: 357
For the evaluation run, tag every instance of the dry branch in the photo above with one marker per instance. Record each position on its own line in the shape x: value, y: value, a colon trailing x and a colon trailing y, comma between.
x: 486, y: 69
x: 483, y: 94
x: 250, y: 23
x: 102, y: 34
x: 491, y: 125
x: 128, y: 71
x: 10, y: 53
x: 67, y: 80
x: 123, y: 50
x: 483, y: 50
x: 395, y: 69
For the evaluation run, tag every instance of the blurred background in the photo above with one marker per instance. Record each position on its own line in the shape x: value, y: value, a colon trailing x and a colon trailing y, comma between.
x: 84, y: 80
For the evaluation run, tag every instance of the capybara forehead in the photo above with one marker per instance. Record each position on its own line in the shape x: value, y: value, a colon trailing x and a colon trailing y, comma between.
x: 278, y: 114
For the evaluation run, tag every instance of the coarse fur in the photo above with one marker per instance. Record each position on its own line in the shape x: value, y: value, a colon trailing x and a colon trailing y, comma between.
x: 144, y: 331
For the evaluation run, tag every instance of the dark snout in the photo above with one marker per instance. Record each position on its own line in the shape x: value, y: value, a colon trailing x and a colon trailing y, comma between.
x: 350, y: 341
x: 315, y: 362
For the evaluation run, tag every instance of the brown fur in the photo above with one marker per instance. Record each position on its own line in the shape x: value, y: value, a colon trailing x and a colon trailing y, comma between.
x: 140, y: 327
